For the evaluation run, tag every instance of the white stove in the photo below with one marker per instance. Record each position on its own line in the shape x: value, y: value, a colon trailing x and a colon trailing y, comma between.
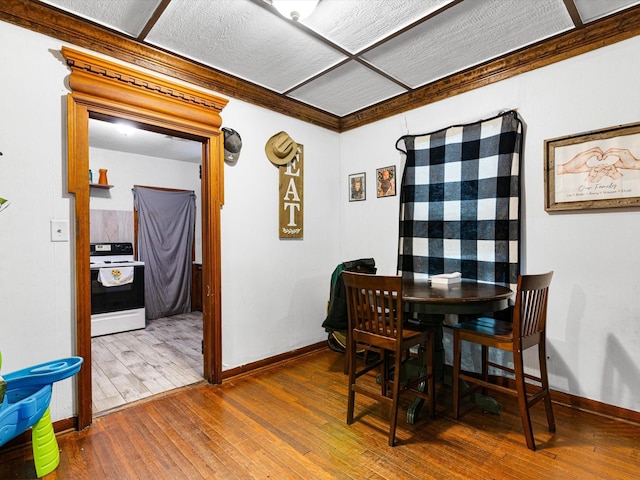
x: 104, y: 255
x: 116, y: 307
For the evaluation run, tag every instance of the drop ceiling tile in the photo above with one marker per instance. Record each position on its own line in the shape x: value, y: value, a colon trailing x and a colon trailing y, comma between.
x: 358, y: 24
x: 243, y: 39
x: 466, y: 35
x: 249, y: 40
x: 126, y: 16
x: 347, y: 89
x: 591, y: 10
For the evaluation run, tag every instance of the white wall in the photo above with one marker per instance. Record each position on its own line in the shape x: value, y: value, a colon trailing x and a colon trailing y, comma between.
x: 594, y: 312
x: 37, y: 320
x: 274, y: 292
x: 124, y: 170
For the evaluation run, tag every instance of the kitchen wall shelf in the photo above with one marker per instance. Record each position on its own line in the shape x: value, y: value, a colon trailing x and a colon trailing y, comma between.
x: 100, y: 185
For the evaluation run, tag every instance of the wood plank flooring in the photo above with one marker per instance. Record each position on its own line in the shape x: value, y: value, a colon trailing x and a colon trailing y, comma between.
x: 129, y: 366
x: 288, y: 422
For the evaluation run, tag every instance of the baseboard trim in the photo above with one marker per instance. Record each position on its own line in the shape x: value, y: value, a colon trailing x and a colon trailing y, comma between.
x: 580, y: 403
x: 592, y: 406
x: 271, y: 361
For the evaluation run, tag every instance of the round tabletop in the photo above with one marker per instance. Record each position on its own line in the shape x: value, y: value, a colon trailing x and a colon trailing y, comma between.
x: 465, y: 297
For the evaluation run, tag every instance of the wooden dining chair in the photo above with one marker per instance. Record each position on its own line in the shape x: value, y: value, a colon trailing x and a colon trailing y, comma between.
x: 527, y: 329
x: 374, y: 306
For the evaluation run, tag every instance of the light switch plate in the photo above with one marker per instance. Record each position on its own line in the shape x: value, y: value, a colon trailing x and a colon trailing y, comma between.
x: 59, y: 231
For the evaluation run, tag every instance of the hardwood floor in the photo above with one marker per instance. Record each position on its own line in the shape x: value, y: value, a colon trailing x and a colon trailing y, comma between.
x: 288, y: 422
x: 129, y: 366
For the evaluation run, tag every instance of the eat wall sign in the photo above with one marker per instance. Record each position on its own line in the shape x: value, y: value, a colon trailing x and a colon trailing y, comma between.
x: 287, y: 155
x: 291, y: 197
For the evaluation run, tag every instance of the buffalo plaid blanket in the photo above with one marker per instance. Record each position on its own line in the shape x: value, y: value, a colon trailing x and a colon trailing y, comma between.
x: 460, y: 201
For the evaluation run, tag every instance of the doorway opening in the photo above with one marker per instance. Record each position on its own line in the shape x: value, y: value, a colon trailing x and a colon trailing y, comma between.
x: 134, y: 361
x: 101, y: 88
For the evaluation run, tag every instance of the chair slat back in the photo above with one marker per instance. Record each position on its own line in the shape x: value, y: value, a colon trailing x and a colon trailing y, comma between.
x: 374, y: 303
x: 530, y: 310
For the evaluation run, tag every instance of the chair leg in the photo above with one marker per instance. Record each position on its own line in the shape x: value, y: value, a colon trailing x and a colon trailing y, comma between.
x: 346, y: 363
x: 456, y: 374
x: 347, y: 353
x: 431, y: 379
x: 384, y: 374
x: 351, y: 362
x: 523, y: 405
x: 394, y: 399
x: 485, y: 367
x: 544, y: 379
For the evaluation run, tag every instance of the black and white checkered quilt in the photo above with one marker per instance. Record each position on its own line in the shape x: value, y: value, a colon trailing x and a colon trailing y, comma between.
x: 460, y: 201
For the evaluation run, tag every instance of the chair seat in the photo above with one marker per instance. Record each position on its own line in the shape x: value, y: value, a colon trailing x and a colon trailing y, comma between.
x: 487, y: 326
x: 381, y: 338
x: 410, y: 330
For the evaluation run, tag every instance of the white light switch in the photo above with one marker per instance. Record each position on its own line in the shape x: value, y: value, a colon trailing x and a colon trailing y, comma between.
x: 59, y: 231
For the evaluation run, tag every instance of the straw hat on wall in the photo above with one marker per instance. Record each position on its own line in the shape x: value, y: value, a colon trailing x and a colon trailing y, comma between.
x: 281, y: 149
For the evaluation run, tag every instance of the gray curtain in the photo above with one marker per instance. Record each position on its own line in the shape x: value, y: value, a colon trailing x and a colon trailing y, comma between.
x: 166, y: 222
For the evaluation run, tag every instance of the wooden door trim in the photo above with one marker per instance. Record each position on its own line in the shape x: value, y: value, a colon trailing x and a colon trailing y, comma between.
x: 103, y: 89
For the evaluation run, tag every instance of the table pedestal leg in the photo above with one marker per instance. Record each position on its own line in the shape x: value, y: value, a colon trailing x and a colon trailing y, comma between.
x: 444, y: 372
x: 434, y: 321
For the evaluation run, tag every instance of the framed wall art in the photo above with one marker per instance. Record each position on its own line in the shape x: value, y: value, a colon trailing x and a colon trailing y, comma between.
x: 357, y: 187
x: 598, y: 169
x: 386, y: 181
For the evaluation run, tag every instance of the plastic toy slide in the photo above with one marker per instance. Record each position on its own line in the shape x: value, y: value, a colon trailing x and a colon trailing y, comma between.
x: 25, y: 396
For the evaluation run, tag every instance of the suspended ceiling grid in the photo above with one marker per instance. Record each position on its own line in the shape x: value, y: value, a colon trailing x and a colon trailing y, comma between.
x: 349, y: 55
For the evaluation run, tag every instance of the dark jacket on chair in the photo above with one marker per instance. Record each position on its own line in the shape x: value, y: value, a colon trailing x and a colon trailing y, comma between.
x: 337, y: 312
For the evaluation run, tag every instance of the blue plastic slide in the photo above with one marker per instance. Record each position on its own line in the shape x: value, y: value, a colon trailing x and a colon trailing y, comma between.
x: 25, y: 404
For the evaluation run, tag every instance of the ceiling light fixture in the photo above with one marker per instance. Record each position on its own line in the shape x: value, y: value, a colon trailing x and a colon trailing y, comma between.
x: 295, y: 9
x: 125, y: 129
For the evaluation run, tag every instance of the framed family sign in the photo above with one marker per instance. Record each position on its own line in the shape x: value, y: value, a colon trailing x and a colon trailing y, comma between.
x: 598, y: 169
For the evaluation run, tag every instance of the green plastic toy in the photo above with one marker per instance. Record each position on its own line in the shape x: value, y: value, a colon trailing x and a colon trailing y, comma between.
x: 25, y: 404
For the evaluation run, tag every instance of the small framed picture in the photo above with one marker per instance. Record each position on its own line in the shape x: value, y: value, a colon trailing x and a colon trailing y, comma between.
x: 386, y: 181
x: 357, y: 184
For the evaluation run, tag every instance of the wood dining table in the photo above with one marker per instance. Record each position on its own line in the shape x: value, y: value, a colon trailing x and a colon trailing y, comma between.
x: 466, y: 297
x: 433, y: 302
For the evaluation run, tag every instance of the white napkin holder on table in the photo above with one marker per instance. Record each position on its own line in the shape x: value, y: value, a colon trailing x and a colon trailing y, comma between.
x: 446, y: 278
